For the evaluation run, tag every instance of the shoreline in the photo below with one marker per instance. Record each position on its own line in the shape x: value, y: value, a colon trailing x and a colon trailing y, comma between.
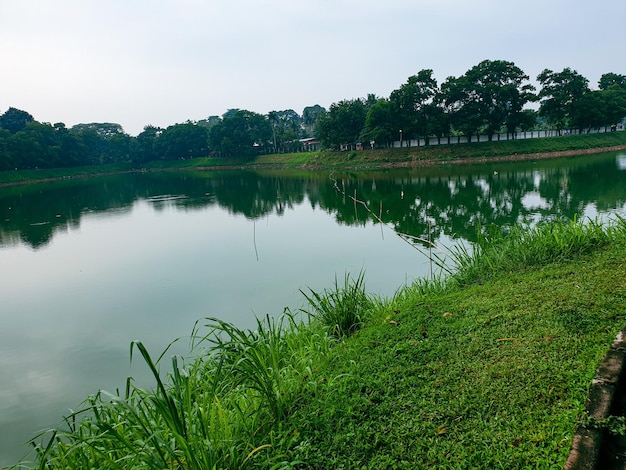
x: 513, y: 157
x: 415, y: 162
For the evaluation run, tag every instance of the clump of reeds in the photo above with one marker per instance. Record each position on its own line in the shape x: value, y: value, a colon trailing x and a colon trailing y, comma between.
x: 342, y: 309
x: 214, y: 411
x: 499, y: 250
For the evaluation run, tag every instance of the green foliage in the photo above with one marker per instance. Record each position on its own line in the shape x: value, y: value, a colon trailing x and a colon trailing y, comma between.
x: 380, y: 125
x: 489, y: 96
x: 422, y: 156
x: 286, y: 129
x: 344, y: 309
x: 527, y: 119
x: 487, y: 376
x: 144, y: 149
x: 615, y: 425
x: 342, y: 124
x: 258, y: 361
x: 412, y: 105
x: 609, y: 80
x: 15, y: 120
x: 599, y: 108
x: 181, y: 424
x: 497, y: 252
x: 181, y: 142
x: 241, y: 135
x: 213, y: 412
x: 310, y: 115
x: 559, y: 93
x: 102, y: 143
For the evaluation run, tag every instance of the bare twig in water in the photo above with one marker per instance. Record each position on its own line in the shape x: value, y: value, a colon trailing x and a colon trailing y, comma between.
x: 438, y: 258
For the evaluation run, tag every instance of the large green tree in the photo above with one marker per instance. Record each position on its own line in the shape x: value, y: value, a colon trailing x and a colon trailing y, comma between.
x: 342, y: 124
x: 310, y: 115
x: 413, y: 105
x: 286, y: 127
x: 144, y: 148
x: 527, y: 119
x: 380, y: 123
x: 209, y: 121
x: 599, y: 108
x: 6, y: 158
x: 488, y: 97
x: 25, y: 149
x: 559, y: 92
x: 610, y: 79
x: 40, y: 145
x: 70, y: 152
x: 241, y: 134
x: 181, y: 141
x: 103, y: 142
x: 14, y: 120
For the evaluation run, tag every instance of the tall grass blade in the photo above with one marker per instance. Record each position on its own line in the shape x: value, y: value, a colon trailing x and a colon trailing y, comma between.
x: 342, y: 309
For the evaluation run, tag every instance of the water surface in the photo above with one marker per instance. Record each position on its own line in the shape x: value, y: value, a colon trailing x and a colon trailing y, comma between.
x: 88, y: 265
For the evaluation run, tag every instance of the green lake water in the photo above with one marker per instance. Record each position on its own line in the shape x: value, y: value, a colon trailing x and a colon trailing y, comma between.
x: 88, y: 265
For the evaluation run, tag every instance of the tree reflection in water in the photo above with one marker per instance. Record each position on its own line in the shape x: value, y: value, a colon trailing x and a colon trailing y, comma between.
x: 420, y: 202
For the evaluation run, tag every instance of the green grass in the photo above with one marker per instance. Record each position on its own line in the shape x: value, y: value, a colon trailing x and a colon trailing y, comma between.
x: 444, y: 153
x: 486, y: 368
x: 498, y: 251
x: 493, y: 374
x: 351, y: 159
x: 341, y: 310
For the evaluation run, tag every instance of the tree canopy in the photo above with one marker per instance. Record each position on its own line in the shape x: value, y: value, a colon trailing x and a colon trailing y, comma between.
x: 181, y: 141
x: 489, y: 98
x: 240, y: 134
x: 15, y: 120
x: 343, y: 123
x: 612, y: 79
x: 413, y: 104
x: 559, y: 92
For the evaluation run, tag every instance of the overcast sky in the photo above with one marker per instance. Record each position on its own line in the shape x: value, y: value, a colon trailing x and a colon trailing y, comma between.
x: 161, y: 62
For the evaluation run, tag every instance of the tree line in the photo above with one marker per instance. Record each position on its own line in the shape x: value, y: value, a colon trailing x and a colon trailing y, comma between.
x: 28, y: 144
x: 491, y: 97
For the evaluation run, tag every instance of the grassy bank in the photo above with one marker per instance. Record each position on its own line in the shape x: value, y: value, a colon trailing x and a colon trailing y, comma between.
x: 486, y: 368
x: 24, y: 176
x: 466, y: 153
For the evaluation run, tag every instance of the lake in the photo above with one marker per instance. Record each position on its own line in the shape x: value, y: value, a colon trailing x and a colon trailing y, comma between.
x: 89, y: 265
